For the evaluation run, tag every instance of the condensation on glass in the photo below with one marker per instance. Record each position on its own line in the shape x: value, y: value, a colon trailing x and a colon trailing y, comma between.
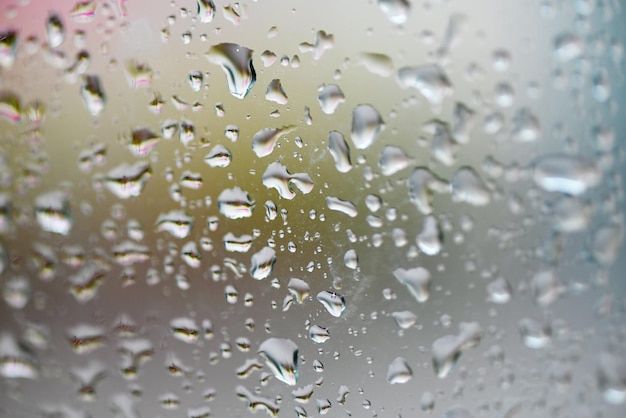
x: 392, y: 208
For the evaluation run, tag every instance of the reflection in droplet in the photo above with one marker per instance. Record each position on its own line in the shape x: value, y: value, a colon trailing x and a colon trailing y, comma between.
x: 236, y: 62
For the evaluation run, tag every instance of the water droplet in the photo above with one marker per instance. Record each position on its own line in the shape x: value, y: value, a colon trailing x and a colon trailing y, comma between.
x: 565, y: 174
x: 299, y: 289
x: 236, y: 62
x: 85, y: 338
x: 128, y: 180
x: 323, y: 42
x: 275, y: 92
x: 430, y: 239
x: 447, y: 350
x: 129, y: 253
x: 459, y: 412
x: 219, y: 156
x: 397, y: 11
x: 422, y: 183
x: 340, y: 151
x: 235, y: 203
x: 399, y: 371
x: 257, y: 402
x: 469, y: 188
x: 281, y: 357
x: 526, y: 126
x: 417, y: 280
x: 351, y: 259
x: 567, y: 47
x: 334, y: 303
x: 52, y: 211
x: 499, y: 290
x: 343, y: 206
x: 545, y: 287
x: 319, y: 334
x: 429, y: 79
x: 392, y: 160
x: 93, y: 95
x: 195, y: 79
x: 185, y: 330
x: 262, y: 263
x: 206, y: 11
x: 16, y: 361
x: 16, y: 292
x: 238, y: 244
x: 190, y: 255
x: 176, y: 222
x: 330, y: 97
x: 606, y: 242
x: 142, y: 141
x: 8, y: 48
x: 264, y: 141
x: 367, y: 124
x: 611, y: 376
x: 276, y: 176
x: 55, y: 30
x: 376, y: 63
x: 404, y: 319
x: 535, y: 334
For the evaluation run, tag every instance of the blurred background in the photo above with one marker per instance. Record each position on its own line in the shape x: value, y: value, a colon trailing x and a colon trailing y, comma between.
x: 384, y: 208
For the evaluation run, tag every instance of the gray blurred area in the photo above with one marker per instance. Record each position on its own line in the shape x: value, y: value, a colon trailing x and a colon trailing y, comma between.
x: 526, y: 295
